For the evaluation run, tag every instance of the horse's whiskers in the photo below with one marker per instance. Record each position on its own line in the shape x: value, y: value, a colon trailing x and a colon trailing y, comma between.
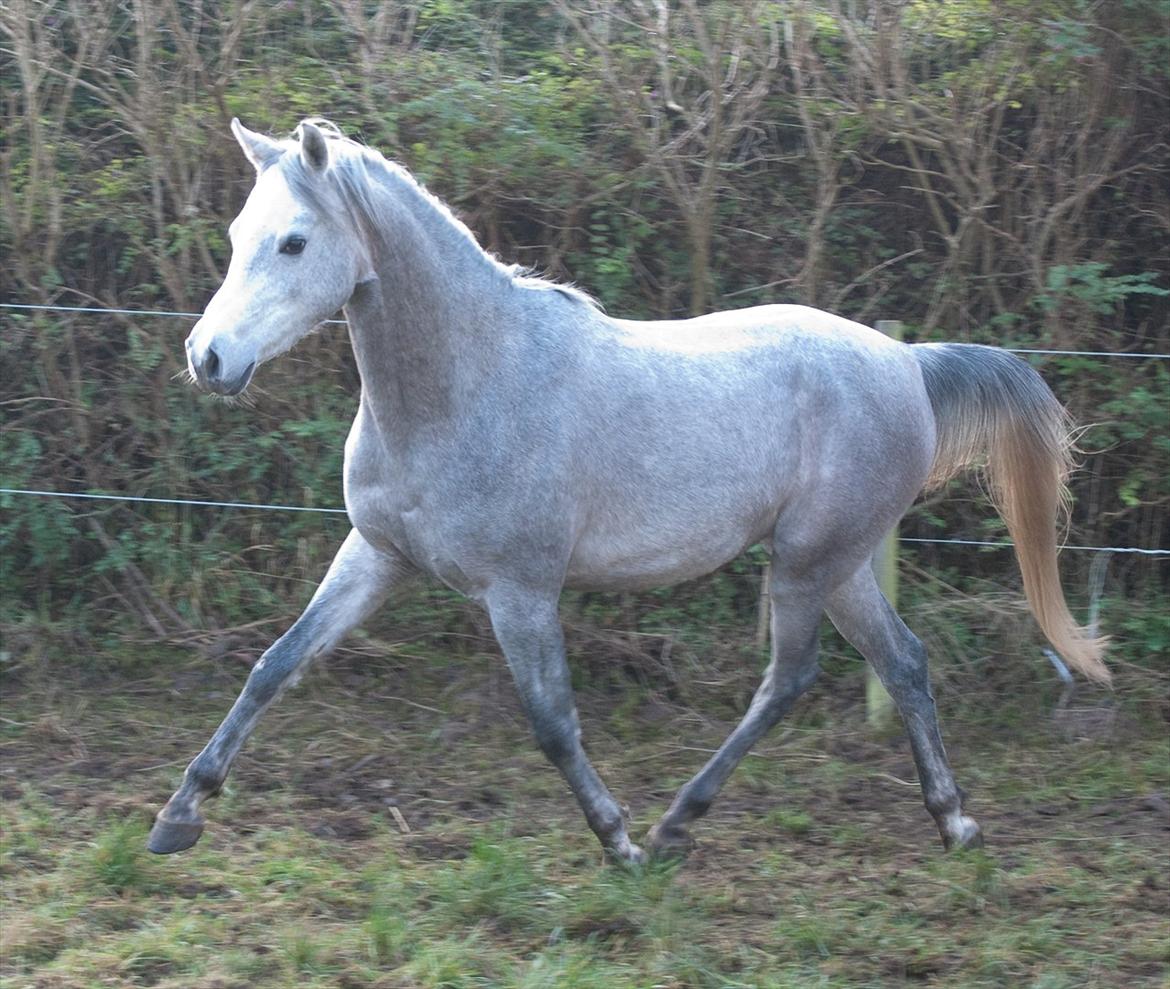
x: 243, y: 399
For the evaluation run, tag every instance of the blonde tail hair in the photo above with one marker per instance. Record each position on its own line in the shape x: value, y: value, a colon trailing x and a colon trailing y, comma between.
x: 990, y: 404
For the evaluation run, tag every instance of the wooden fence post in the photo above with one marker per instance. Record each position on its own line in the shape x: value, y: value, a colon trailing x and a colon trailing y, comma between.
x: 879, y: 707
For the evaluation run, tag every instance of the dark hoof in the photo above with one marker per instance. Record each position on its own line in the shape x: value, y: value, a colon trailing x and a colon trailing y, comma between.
x: 669, y: 844
x: 167, y: 836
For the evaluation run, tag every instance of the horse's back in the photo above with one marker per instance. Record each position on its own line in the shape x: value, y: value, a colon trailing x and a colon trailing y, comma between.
x: 731, y: 330
x: 773, y: 387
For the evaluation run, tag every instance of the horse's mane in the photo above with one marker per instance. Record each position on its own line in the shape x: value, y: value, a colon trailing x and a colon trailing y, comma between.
x: 355, y: 170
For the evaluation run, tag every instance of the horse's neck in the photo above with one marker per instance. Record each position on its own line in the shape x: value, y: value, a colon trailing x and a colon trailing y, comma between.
x: 428, y: 325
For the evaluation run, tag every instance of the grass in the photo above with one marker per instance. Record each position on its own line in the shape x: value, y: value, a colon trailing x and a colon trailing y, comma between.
x: 818, y: 867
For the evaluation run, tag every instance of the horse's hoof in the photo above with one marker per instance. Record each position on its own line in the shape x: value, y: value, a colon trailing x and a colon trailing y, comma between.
x: 629, y: 856
x: 669, y: 843
x: 966, y: 834
x: 169, y: 836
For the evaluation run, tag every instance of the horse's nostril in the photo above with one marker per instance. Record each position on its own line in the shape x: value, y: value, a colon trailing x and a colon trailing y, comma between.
x: 211, y: 364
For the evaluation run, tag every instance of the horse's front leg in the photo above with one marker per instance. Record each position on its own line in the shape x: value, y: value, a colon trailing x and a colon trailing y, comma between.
x: 357, y: 582
x: 528, y: 629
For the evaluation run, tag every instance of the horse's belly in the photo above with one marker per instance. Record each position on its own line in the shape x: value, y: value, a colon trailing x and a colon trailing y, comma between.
x: 663, y: 550
x: 638, y: 575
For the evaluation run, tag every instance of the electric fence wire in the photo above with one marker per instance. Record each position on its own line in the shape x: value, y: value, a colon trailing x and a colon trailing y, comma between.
x: 341, y: 322
x: 341, y: 511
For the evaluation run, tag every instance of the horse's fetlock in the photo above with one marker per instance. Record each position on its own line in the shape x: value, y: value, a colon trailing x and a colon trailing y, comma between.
x: 943, y: 805
x: 204, y: 779
x: 608, y: 823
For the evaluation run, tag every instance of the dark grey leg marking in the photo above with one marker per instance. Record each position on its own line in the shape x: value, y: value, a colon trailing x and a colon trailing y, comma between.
x: 528, y: 629
x: 357, y: 582
x: 796, y: 615
x: 865, y: 618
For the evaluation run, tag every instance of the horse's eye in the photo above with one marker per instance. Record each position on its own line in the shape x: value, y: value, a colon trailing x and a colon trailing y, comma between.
x: 293, y: 245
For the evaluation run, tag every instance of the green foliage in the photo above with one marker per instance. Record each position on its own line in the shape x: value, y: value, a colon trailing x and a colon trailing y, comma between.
x: 389, y: 932
x: 1087, y: 283
x: 795, y: 822
x: 1143, y: 630
x: 495, y: 882
x: 118, y: 858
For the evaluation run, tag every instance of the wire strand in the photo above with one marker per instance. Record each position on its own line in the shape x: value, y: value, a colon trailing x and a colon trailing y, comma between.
x: 119, y: 312
x: 341, y: 511
x: 341, y: 322
x: 171, y: 501
x: 1002, y: 545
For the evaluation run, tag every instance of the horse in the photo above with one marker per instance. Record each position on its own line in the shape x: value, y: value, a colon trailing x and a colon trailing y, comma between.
x: 512, y: 440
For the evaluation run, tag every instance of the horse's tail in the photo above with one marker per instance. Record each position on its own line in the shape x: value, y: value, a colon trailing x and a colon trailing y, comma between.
x: 990, y: 404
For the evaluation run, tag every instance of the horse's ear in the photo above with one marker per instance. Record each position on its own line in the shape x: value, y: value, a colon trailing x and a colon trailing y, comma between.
x: 261, y: 151
x: 314, y: 147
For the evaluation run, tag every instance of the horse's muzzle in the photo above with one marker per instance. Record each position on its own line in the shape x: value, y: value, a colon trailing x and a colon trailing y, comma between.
x: 213, y: 376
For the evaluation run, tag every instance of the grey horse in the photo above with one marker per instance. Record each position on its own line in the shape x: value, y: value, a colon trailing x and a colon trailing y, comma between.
x: 512, y: 440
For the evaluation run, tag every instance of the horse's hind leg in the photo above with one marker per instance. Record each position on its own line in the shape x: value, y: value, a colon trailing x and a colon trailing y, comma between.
x: 357, y: 582
x: 797, y: 607
x: 865, y: 618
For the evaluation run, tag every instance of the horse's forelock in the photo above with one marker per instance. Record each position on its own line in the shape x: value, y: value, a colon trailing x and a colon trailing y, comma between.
x: 343, y: 189
x: 327, y: 127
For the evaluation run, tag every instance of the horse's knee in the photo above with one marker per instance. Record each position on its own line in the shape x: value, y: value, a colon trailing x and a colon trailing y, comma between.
x: 784, y: 686
x: 281, y: 666
x: 559, y: 737
x: 803, y: 678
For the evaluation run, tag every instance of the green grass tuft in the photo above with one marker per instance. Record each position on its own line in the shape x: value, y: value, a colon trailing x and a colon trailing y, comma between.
x: 118, y: 860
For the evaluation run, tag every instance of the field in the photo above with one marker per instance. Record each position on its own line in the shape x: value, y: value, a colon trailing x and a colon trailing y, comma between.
x: 392, y: 825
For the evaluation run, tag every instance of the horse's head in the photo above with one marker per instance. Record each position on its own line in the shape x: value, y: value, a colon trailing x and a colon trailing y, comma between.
x: 296, y: 259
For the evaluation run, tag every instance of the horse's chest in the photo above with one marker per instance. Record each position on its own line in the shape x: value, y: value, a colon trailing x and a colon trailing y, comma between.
x: 396, y: 515
x: 417, y: 532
